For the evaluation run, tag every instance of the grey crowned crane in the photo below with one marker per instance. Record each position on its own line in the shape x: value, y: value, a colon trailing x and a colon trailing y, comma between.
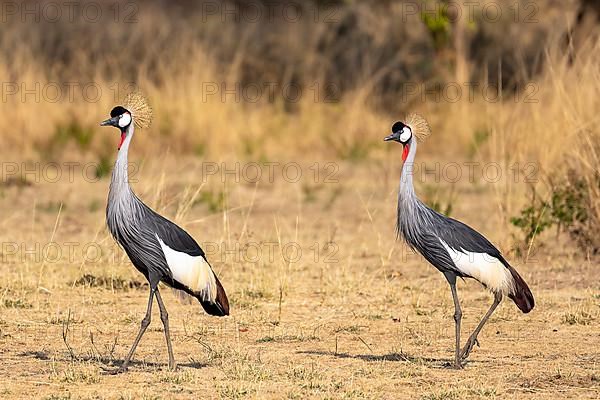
x: 159, y: 249
x: 455, y: 249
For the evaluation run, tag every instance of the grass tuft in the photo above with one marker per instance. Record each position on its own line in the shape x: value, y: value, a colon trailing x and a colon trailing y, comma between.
x: 109, y: 283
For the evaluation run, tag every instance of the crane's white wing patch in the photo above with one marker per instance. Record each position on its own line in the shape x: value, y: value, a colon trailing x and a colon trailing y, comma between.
x: 483, y: 267
x: 191, y: 271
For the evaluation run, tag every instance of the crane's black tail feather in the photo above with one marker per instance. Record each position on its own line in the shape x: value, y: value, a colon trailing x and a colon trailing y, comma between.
x: 522, y: 296
x: 220, y: 306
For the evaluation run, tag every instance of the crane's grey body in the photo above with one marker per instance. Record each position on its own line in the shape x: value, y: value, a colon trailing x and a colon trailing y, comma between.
x: 158, y: 248
x: 132, y: 223
x: 140, y: 231
x: 452, y: 247
x: 426, y: 231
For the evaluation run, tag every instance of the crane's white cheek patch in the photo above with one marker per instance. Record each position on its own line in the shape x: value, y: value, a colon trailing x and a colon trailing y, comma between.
x: 405, y: 135
x: 484, y: 268
x: 124, y: 120
x: 191, y: 271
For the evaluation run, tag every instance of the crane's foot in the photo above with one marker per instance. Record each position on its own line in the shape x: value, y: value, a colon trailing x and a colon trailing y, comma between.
x: 454, y: 365
x: 172, y: 365
x: 468, y: 347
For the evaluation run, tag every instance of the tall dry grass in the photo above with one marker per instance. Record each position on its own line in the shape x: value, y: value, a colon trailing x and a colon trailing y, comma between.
x: 351, y: 61
x: 554, y: 139
x: 177, y: 60
x: 352, y: 70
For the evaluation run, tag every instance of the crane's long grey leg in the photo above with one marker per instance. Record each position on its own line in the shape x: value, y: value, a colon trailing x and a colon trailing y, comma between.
x: 164, y: 316
x: 473, y: 338
x: 143, y: 327
x: 457, y: 318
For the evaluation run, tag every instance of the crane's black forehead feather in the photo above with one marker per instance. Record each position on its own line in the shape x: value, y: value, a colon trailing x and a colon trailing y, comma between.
x: 397, y: 127
x: 118, y: 110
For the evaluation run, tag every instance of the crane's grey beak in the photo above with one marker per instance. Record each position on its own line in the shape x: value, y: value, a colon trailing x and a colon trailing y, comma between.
x: 393, y: 136
x: 114, y: 121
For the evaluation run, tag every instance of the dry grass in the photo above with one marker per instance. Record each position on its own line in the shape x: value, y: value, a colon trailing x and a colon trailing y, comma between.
x: 356, y: 315
x: 372, y: 321
x: 179, y: 64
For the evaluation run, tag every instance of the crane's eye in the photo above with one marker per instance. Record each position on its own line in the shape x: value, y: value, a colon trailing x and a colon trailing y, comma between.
x: 406, y: 134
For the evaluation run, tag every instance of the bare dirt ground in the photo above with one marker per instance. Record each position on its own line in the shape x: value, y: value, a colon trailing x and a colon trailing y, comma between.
x: 354, y: 315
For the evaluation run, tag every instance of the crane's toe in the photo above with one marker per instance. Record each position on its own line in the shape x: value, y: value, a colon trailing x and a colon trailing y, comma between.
x: 468, y: 347
x: 457, y: 364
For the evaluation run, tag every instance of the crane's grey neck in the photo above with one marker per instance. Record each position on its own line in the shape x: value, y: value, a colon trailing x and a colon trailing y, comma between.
x: 119, y: 184
x: 412, y: 214
x: 407, y: 191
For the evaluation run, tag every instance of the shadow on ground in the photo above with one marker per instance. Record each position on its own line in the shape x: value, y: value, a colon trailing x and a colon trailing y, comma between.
x: 44, y: 355
x: 398, y: 357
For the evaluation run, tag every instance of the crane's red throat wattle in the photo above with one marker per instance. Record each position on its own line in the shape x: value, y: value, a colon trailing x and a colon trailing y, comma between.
x: 123, y: 135
x: 405, y: 152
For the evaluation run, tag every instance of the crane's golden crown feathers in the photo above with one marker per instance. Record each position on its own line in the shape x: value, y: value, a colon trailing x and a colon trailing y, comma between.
x: 139, y: 108
x: 418, y: 125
